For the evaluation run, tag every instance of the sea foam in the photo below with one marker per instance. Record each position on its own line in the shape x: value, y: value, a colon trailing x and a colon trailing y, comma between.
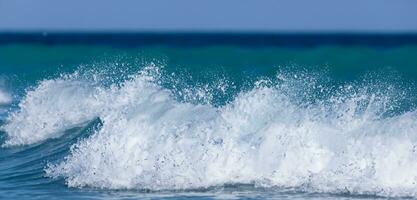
x: 272, y: 136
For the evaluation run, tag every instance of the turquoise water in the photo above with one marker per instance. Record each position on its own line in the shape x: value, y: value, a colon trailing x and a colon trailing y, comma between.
x: 212, y: 121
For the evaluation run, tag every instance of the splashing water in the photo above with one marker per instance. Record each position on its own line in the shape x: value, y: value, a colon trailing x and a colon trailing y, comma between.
x: 290, y: 132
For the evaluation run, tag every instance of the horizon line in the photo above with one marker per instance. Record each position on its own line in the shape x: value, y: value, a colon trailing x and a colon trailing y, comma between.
x: 214, y: 32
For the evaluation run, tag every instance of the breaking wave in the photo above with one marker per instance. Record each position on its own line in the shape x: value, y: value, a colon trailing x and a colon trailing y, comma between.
x: 287, y: 132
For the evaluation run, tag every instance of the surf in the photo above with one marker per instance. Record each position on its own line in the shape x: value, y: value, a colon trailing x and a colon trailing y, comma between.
x: 289, y: 131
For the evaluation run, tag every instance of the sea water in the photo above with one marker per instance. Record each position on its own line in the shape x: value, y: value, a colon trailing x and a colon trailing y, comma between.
x: 98, y: 121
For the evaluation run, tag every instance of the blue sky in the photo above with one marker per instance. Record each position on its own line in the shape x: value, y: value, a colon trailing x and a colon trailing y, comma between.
x: 210, y: 15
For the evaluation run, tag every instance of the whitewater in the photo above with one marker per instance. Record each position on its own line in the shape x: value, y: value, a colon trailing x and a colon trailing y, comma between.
x: 290, y: 132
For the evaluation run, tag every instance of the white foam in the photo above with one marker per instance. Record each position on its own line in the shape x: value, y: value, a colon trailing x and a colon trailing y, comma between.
x: 150, y: 140
x: 55, y: 105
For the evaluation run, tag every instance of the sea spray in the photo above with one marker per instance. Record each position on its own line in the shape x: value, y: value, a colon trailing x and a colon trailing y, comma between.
x: 290, y: 132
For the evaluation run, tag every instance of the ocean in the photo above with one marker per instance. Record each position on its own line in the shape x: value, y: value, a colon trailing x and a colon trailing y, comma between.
x: 208, y: 116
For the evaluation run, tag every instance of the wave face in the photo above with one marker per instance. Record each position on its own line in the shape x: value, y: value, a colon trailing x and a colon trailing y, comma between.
x: 286, y: 132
